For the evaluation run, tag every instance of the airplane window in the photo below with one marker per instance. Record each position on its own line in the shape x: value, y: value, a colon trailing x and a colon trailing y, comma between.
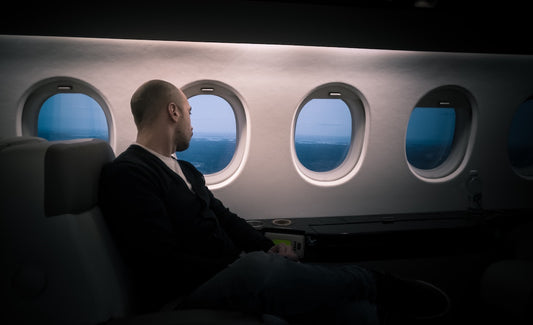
x: 328, y: 134
x: 323, y: 134
x: 220, y: 127
x: 66, y: 116
x: 213, y: 144
x: 429, y: 138
x: 438, y: 133
x: 520, y: 141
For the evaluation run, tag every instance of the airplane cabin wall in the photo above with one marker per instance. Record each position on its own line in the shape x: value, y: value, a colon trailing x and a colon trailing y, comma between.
x: 272, y: 81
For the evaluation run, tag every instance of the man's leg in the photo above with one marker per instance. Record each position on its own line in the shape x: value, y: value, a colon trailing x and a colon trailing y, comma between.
x: 270, y: 284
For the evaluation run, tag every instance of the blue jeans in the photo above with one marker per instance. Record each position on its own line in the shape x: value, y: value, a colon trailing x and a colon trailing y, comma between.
x: 271, y: 284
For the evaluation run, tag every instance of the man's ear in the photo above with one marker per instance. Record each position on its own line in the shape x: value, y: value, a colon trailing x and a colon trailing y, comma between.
x: 173, y: 111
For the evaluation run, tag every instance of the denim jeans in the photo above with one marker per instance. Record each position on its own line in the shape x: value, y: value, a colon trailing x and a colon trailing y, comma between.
x: 270, y: 284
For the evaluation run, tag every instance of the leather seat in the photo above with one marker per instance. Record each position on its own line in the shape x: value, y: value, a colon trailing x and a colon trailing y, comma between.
x: 59, y: 263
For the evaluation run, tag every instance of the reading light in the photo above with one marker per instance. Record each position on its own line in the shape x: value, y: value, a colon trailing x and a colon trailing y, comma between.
x: 64, y: 87
x: 444, y: 103
x: 335, y: 94
x: 207, y: 90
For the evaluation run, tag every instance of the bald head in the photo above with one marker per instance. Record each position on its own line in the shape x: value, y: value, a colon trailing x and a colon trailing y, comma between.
x: 150, y: 99
x: 162, y: 115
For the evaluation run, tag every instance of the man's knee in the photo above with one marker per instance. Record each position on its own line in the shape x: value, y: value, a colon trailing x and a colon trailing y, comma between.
x: 256, y: 260
x: 236, y: 285
x: 260, y: 266
x: 256, y: 257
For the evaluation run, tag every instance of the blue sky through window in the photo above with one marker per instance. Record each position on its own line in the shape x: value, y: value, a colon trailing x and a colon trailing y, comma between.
x: 212, y: 115
x: 68, y: 116
x: 323, y: 134
x: 325, y: 119
x: 214, y: 141
x: 429, y: 137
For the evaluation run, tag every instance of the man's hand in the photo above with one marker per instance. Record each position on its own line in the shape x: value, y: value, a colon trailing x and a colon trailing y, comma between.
x: 284, y: 250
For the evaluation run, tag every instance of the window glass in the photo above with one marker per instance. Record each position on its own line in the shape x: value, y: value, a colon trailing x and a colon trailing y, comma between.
x: 67, y: 116
x: 430, y: 135
x: 323, y: 134
x: 520, y: 142
x: 214, y: 141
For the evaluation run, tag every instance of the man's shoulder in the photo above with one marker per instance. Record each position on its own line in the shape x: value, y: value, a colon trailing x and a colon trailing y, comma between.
x: 133, y: 167
x: 133, y: 158
x: 132, y: 153
x: 186, y: 164
x: 188, y: 167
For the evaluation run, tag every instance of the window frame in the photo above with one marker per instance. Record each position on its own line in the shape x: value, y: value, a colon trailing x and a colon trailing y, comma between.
x: 45, y: 89
x: 357, y: 106
x: 461, y: 101
x: 229, y: 94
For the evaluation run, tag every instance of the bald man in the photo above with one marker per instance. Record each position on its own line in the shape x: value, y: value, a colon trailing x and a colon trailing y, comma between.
x: 178, y: 240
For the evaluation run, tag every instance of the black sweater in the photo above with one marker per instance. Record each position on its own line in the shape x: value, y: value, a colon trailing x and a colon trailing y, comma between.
x: 170, y: 238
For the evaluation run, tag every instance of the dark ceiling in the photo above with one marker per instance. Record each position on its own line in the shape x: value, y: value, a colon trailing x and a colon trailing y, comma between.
x: 430, y: 25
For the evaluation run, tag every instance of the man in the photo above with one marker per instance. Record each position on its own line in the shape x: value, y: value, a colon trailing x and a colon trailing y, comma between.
x: 179, y: 240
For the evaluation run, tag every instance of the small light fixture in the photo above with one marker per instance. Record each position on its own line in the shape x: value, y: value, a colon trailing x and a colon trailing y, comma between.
x: 335, y: 94
x: 207, y: 90
x: 64, y: 87
x: 444, y: 103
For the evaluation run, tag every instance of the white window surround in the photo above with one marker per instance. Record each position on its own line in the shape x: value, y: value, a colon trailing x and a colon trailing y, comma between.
x: 462, y: 102
x: 213, y: 87
x: 357, y: 106
x: 37, y: 94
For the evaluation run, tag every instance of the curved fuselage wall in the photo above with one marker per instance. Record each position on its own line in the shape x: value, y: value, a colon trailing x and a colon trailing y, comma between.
x: 272, y: 81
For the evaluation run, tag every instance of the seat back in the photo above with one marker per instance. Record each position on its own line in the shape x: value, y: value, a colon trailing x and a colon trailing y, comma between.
x: 13, y: 141
x: 59, y: 264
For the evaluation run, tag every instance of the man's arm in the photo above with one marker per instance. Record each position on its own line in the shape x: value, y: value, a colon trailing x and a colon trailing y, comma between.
x: 249, y: 238
x: 244, y: 235
x: 132, y: 204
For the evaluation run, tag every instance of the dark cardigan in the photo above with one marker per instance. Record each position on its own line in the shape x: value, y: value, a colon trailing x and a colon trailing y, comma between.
x: 170, y: 238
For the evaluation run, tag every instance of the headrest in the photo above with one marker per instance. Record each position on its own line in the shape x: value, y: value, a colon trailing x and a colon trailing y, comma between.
x: 71, y: 175
x: 13, y: 141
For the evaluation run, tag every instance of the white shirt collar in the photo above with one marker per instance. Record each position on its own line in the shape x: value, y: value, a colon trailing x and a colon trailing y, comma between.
x: 171, y: 163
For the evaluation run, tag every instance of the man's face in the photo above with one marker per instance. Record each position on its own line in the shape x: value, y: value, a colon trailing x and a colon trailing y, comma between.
x: 183, y: 129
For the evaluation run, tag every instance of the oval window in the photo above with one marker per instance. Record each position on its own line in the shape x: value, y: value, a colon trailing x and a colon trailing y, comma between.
x: 520, y: 140
x: 67, y: 116
x: 328, y: 134
x: 61, y: 108
x: 323, y: 134
x: 214, y: 141
x: 220, y: 129
x: 438, y: 132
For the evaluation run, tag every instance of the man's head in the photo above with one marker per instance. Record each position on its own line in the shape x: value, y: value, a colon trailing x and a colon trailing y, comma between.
x: 161, y: 111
